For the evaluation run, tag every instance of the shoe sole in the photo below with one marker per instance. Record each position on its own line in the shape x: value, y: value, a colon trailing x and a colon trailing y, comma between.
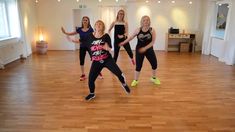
x: 134, y: 85
x: 125, y: 90
x: 82, y: 79
x: 154, y: 82
x: 91, y: 98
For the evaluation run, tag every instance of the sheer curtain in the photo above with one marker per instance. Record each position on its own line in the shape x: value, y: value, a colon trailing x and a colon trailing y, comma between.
x: 108, y: 14
x: 210, y: 23
x: 228, y: 55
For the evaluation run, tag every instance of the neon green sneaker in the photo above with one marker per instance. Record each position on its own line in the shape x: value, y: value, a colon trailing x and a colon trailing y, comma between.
x: 155, y: 80
x: 134, y: 83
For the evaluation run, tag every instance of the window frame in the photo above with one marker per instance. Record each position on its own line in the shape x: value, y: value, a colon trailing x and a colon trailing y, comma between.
x: 215, y: 30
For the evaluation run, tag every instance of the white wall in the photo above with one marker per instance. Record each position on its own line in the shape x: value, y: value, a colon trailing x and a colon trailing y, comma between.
x: 180, y: 15
x: 52, y: 15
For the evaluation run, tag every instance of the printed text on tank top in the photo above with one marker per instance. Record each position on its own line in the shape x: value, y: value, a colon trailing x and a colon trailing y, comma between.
x: 98, y: 53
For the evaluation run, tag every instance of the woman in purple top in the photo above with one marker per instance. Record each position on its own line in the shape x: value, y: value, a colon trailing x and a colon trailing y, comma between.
x: 83, y: 32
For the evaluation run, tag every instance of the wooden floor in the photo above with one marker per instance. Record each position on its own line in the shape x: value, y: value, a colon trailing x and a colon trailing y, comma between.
x: 43, y: 94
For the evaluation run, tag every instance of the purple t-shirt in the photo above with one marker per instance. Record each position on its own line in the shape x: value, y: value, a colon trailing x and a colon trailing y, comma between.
x: 83, y: 35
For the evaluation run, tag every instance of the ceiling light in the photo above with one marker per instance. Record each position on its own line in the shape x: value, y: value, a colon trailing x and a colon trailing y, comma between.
x: 116, y: 0
x: 36, y: 1
x: 190, y: 2
x: 159, y: 2
x: 58, y: 0
x: 147, y: 1
x: 77, y: 0
x: 100, y: 0
x: 173, y: 1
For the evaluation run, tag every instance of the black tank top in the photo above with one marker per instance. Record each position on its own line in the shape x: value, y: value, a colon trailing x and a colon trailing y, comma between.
x: 119, y: 29
x: 144, y: 38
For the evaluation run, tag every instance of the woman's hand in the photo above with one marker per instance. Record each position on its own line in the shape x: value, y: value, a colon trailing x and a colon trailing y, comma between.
x: 68, y: 38
x: 72, y: 40
x: 106, y: 47
x: 62, y: 29
x: 121, y: 44
x: 121, y: 36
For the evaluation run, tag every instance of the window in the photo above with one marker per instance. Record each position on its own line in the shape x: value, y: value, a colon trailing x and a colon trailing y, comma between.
x: 221, y: 20
x: 3, y: 21
x: 9, y: 19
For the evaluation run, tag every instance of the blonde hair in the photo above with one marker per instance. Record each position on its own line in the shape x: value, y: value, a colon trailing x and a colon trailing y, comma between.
x: 100, y: 21
x: 142, y: 20
x: 123, y: 15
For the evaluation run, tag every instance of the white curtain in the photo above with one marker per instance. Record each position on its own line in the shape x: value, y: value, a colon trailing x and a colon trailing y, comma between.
x: 229, y: 51
x: 210, y: 23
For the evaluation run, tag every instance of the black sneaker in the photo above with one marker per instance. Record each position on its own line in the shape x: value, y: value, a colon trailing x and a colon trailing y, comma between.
x: 126, y: 88
x: 90, y: 96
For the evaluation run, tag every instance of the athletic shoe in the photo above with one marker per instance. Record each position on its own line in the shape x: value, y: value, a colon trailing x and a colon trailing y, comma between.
x: 82, y: 77
x: 90, y: 96
x: 126, y: 88
x: 134, y: 83
x: 101, y: 76
x: 155, y: 80
x: 133, y: 61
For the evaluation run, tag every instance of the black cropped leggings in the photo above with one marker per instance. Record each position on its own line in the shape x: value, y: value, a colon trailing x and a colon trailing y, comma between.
x: 82, y: 54
x: 96, y: 68
x: 150, y: 55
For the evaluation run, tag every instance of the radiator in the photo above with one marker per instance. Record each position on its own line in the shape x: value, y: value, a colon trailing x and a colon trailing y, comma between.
x: 10, y: 50
x: 217, y: 47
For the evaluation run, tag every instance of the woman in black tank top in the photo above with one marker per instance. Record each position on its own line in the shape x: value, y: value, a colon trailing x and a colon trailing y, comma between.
x: 120, y: 34
x: 146, y: 36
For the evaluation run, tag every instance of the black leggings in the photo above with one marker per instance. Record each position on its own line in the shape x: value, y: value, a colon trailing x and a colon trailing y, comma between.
x: 117, y: 49
x: 150, y: 55
x: 82, y: 54
x: 96, y: 68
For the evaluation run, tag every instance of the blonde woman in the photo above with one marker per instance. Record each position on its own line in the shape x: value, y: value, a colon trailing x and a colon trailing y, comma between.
x: 120, y: 34
x: 146, y: 36
x: 100, y: 45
